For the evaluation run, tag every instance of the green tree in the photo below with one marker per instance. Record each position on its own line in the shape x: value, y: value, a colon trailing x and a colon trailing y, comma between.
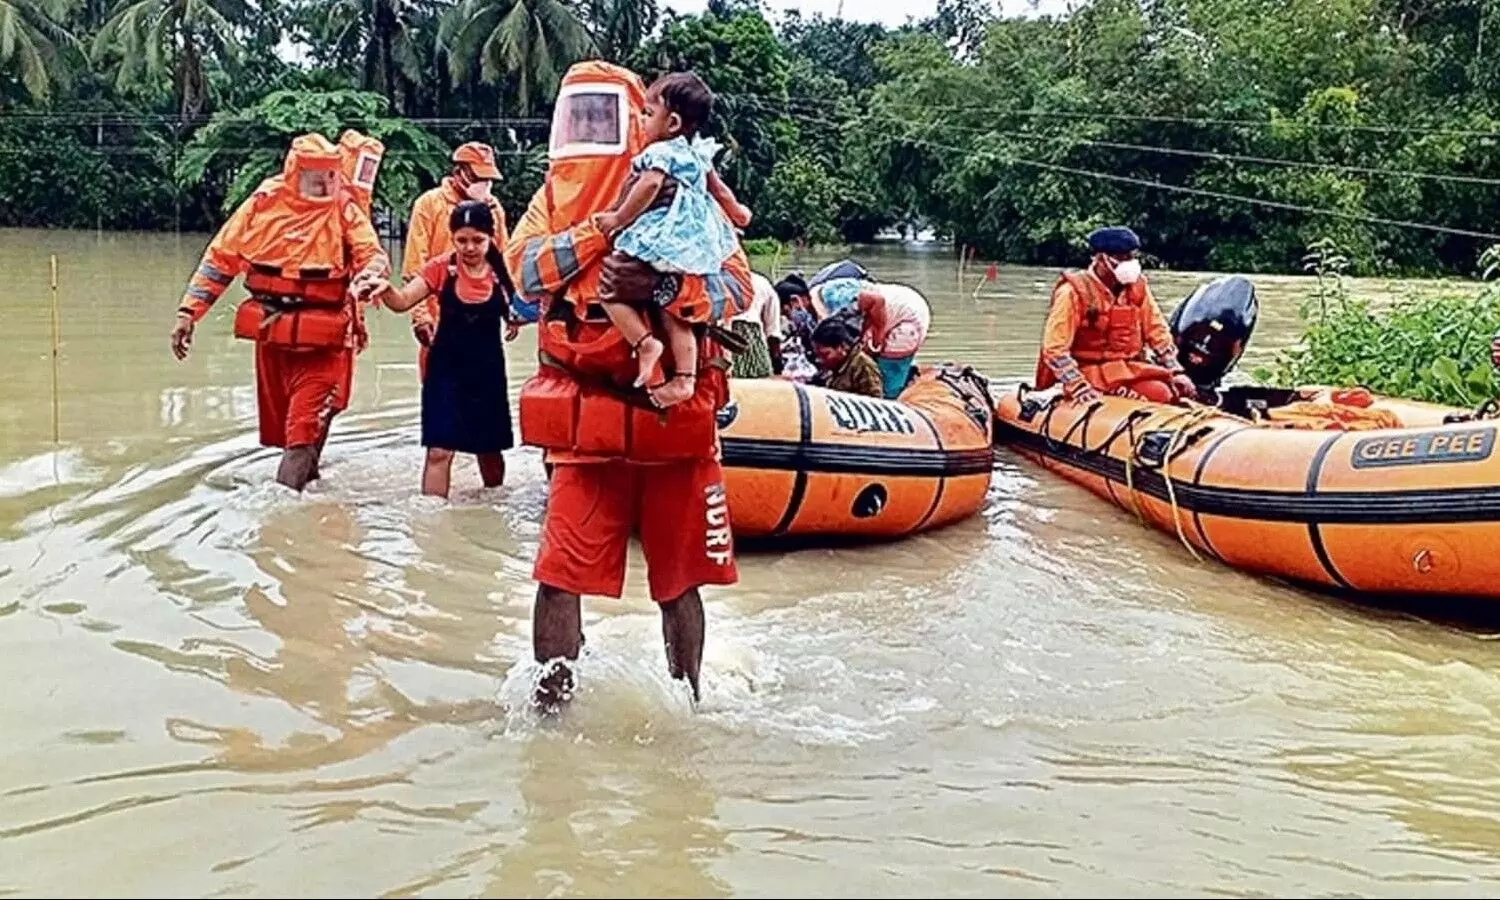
x: 526, y: 43
x: 240, y: 149
x: 378, y: 38
x: 620, y: 26
x: 34, y: 43
x: 158, y: 39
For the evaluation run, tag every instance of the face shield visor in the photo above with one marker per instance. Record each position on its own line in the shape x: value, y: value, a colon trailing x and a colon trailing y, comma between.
x: 590, y: 120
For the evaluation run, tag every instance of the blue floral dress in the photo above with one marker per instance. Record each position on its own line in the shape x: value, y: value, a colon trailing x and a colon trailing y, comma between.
x: 692, y: 235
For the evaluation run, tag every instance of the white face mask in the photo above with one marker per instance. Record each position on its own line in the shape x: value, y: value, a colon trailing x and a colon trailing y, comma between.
x: 479, y: 190
x: 1128, y: 272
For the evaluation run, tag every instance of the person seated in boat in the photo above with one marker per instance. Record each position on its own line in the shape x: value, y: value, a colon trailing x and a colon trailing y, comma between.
x: 843, y: 365
x: 798, y: 362
x: 1101, y: 324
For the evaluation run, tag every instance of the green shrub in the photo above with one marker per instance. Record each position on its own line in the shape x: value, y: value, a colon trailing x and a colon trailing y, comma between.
x: 762, y: 247
x: 1434, y: 349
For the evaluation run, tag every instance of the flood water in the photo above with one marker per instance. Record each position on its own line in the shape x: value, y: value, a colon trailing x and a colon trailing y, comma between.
x: 215, y: 688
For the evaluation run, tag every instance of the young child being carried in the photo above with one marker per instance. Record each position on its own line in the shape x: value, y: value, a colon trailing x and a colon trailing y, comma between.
x: 690, y: 235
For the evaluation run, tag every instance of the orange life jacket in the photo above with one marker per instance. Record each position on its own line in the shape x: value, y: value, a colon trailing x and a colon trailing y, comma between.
x: 311, y: 310
x: 1110, y: 331
x: 575, y: 404
x: 298, y: 263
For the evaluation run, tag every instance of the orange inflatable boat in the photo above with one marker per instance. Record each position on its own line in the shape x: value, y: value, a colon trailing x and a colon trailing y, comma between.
x: 1328, y: 488
x: 805, y: 461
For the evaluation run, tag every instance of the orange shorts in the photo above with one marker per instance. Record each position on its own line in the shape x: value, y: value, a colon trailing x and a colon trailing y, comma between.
x: 299, y: 391
x: 679, y: 512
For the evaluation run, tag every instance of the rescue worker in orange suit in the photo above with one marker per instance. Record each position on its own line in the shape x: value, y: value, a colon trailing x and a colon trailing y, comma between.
x: 306, y: 248
x: 360, y: 156
x: 619, y: 464
x: 1101, y: 323
x: 427, y: 235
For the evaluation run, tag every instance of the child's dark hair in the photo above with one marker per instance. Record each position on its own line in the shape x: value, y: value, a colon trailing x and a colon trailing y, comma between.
x: 477, y: 215
x: 833, y: 332
x: 685, y: 93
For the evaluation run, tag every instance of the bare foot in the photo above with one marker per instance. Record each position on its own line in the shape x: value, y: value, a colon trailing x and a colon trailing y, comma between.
x: 648, y: 352
x: 673, y: 392
x: 554, y: 687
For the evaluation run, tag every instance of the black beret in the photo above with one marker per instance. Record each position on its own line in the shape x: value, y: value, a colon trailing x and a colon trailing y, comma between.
x: 1116, y: 239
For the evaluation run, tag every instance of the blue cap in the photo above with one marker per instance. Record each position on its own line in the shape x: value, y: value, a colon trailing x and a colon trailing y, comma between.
x: 1114, y: 240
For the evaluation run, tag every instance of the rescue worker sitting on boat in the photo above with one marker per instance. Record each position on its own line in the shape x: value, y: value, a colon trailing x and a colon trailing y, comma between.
x: 1100, y: 324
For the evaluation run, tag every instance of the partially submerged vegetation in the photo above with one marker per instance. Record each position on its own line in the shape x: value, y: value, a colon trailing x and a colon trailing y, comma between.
x: 1433, y: 348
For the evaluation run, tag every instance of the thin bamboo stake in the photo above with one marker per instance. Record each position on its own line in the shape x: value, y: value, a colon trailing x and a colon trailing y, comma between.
x: 56, y: 353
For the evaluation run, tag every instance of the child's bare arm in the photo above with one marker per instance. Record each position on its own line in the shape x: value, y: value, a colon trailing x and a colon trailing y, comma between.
x: 636, y: 202
x: 738, y: 213
x: 402, y: 298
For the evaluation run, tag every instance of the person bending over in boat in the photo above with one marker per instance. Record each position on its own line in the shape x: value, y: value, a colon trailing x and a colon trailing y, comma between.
x: 843, y: 364
x: 894, y: 323
x: 1100, y: 325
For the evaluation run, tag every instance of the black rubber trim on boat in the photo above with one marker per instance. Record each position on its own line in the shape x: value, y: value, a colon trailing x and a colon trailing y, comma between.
x: 1208, y: 452
x: 937, y: 495
x: 833, y: 459
x: 735, y: 449
x: 1409, y: 507
x: 1313, y: 532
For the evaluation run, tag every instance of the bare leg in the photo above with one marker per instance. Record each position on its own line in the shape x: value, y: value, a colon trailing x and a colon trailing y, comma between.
x: 637, y: 332
x: 682, y: 630
x: 297, y: 466
x: 437, y: 472
x: 491, y: 469
x: 680, y: 383
x: 556, y: 635
x: 318, y: 460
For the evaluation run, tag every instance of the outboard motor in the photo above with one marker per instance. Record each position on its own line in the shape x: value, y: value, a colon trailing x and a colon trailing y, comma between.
x: 1212, y: 328
x: 844, y: 268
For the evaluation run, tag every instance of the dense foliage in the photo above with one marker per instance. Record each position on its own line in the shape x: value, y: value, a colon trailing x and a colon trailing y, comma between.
x: 1233, y: 134
x: 1429, y: 348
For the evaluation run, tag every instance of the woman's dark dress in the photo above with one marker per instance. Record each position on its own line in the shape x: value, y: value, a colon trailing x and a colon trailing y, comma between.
x: 465, y: 399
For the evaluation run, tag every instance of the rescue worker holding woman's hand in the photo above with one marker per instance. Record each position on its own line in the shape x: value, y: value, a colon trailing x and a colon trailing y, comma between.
x: 620, y: 465
x: 305, y: 247
x: 1099, y: 326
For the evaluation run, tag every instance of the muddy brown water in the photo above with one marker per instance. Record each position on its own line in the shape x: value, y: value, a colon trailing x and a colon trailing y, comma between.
x: 214, y: 688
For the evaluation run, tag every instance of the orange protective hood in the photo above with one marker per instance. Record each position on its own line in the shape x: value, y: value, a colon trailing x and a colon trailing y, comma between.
x: 292, y: 232
x: 596, y: 132
x: 359, y: 161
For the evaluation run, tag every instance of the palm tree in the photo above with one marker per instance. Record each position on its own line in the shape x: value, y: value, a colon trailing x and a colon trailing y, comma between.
x: 530, y: 41
x: 382, y: 34
x: 32, y: 41
x: 620, y: 26
x: 155, y: 38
